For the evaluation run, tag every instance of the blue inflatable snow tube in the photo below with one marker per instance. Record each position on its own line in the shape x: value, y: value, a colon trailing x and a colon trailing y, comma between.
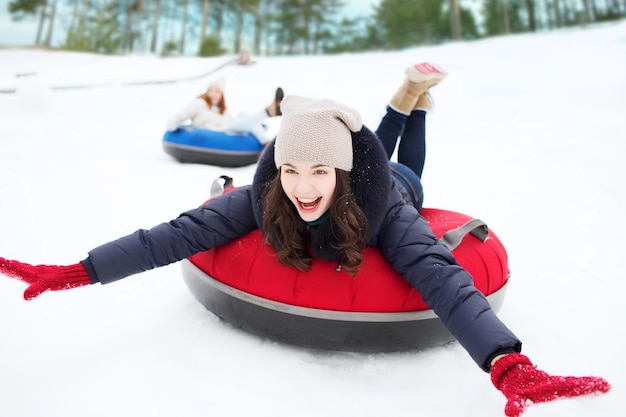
x: 202, y: 146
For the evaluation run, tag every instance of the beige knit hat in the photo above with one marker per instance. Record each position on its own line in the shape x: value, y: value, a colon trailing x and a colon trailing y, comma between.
x: 316, y: 130
x: 219, y: 83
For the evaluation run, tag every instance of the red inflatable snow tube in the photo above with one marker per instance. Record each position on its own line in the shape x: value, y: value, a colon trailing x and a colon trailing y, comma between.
x: 372, y: 311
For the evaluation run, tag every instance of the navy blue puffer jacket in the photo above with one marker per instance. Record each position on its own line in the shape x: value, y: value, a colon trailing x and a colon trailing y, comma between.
x: 395, y: 228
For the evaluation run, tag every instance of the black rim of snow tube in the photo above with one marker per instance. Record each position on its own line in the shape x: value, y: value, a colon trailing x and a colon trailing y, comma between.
x: 321, y: 329
x: 199, y: 155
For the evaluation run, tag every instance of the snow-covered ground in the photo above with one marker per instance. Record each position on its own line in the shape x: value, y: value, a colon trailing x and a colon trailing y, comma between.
x: 527, y: 134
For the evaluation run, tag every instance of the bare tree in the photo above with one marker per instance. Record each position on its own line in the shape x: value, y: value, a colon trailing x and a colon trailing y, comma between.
x: 205, y: 20
x: 259, y: 23
x: 238, y: 9
x: 74, y: 16
x: 155, y: 26
x: 52, y: 17
x: 530, y: 10
x: 136, y: 32
x: 504, y: 9
x: 590, y: 13
x: 183, y: 31
x: 42, y: 20
x: 557, y: 13
x: 455, y: 20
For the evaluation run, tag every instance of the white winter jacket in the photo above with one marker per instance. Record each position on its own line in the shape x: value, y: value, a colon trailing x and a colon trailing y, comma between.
x: 201, y: 115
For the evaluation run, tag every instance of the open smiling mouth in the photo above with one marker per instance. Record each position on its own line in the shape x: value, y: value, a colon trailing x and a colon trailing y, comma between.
x: 309, y: 203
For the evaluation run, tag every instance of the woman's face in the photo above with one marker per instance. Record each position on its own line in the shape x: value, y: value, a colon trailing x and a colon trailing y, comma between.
x: 214, y: 95
x: 310, y: 187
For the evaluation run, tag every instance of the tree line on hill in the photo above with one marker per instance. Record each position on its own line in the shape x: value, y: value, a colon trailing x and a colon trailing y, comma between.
x: 287, y: 27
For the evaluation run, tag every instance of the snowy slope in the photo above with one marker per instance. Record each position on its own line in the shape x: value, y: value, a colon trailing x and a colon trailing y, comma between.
x: 527, y: 135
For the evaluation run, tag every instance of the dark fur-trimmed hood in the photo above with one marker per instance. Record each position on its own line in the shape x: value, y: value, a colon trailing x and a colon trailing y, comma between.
x: 370, y: 180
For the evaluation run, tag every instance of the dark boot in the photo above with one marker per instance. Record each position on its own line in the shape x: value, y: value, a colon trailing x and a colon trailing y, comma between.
x: 274, y: 109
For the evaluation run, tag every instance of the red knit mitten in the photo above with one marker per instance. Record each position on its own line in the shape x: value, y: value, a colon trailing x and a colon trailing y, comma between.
x: 45, y: 277
x: 522, y: 384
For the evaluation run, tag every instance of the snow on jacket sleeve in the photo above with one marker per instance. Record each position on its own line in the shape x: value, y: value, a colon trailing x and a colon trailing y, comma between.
x: 224, y: 219
x: 408, y: 244
x: 201, y: 115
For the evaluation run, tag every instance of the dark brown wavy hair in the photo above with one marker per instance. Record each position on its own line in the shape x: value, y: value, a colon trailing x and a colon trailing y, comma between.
x: 286, y: 232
